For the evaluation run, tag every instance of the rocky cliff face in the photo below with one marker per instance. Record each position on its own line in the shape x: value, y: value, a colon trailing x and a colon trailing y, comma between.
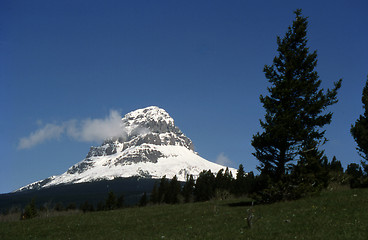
x: 150, y: 125
x: 150, y: 145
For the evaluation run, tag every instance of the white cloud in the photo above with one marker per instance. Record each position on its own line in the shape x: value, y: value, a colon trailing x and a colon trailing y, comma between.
x: 222, y: 159
x: 89, y: 130
x: 49, y: 131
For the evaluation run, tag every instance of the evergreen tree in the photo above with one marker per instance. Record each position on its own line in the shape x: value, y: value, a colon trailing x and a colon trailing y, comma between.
x: 336, y: 172
x: 59, y: 207
x: 310, y: 175
x: 228, y: 180
x: 356, y: 174
x: 154, y: 198
x: 354, y: 170
x: 188, y: 189
x: 163, y: 189
x: 220, y: 179
x: 143, y: 201
x: 223, y: 184
x: 359, y: 130
x: 100, y: 206
x: 111, y: 201
x: 71, y: 206
x: 173, y: 191
x: 224, y: 179
x: 239, y: 184
x: 86, y: 207
x: 244, y: 183
x: 205, y: 186
x: 250, y: 183
x: 240, y: 174
x: 295, y: 108
x: 335, y: 165
x: 30, y: 211
x: 120, y: 201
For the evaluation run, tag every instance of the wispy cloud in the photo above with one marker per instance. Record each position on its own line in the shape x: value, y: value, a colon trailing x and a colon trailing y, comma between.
x: 88, y: 130
x: 49, y: 131
x: 91, y: 130
x: 222, y: 159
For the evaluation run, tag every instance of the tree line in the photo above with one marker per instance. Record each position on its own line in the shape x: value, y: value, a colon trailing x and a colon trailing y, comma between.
x: 223, y: 184
x: 31, y: 210
x: 207, y: 186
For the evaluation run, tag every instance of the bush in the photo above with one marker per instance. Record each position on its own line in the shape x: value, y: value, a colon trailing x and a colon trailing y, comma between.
x: 111, y: 201
x: 86, y: 207
x: 71, y: 206
x: 355, y: 173
x: 30, y: 211
x: 59, y: 207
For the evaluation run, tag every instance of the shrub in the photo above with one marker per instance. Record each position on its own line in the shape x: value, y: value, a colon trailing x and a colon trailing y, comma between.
x: 30, y: 211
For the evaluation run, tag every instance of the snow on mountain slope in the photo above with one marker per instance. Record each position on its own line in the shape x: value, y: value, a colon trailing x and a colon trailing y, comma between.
x: 150, y: 146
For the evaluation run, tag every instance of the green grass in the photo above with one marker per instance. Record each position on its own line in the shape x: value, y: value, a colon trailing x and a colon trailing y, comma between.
x: 334, y: 215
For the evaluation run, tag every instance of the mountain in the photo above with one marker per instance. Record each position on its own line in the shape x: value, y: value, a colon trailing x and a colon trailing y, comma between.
x: 149, y: 145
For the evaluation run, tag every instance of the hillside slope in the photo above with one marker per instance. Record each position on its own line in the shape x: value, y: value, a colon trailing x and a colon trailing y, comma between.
x: 333, y: 215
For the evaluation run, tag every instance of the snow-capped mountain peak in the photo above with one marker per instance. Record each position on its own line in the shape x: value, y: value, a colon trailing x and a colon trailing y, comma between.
x: 150, y: 146
x: 143, y: 116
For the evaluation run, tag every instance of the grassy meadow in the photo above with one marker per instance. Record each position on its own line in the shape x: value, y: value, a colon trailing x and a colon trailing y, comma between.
x: 338, y: 214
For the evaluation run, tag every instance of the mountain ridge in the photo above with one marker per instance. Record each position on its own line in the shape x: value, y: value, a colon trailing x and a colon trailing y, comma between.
x: 149, y: 145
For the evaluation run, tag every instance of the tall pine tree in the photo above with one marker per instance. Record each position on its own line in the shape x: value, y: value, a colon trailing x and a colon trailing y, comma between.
x: 359, y: 130
x: 173, y: 191
x: 295, y: 107
x: 154, y: 198
x: 163, y: 189
x: 188, y: 189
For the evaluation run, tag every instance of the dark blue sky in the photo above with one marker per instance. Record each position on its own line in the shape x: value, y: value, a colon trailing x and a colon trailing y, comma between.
x: 201, y: 61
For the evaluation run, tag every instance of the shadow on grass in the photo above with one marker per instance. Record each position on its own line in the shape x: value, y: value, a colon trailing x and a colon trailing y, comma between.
x: 242, y: 204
